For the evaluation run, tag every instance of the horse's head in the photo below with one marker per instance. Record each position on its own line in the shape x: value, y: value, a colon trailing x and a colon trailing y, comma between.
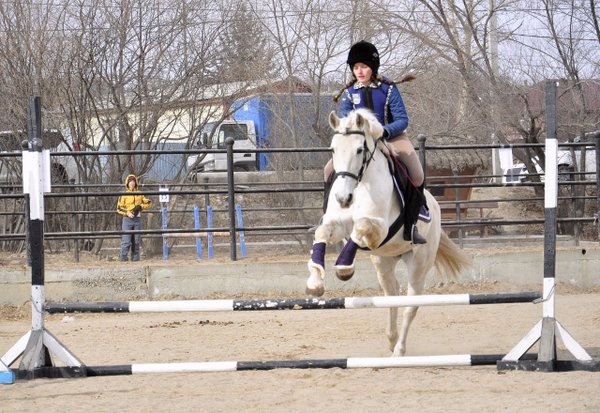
x: 353, y: 144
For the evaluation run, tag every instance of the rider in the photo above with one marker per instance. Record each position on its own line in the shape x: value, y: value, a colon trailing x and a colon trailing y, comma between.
x: 370, y: 90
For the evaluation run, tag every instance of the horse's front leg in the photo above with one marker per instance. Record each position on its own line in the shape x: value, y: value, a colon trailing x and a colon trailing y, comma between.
x: 329, y: 232
x: 386, y: 274
x: 369, y: 232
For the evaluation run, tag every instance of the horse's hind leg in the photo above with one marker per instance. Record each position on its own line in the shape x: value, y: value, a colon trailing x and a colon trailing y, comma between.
x: 386, y: 274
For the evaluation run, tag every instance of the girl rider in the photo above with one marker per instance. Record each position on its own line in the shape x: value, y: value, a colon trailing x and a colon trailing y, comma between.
x: 370, y: 90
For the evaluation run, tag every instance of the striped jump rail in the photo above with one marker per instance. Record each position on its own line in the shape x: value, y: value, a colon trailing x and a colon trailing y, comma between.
x: 291, y: 304
x: 232, y: 366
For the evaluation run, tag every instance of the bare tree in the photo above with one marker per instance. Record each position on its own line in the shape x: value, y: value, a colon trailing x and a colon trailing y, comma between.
x: 569, y: 28
x: 145, y: 74
x: 455, y: 37
x: 244, y: 54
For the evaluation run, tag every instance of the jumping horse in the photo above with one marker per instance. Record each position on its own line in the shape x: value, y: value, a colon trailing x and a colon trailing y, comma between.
x: 363, y: 210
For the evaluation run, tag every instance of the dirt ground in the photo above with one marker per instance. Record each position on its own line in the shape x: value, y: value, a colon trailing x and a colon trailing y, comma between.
x: 102, y: 339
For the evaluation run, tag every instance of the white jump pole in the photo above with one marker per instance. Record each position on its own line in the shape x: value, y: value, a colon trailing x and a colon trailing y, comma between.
x: 548, y: 328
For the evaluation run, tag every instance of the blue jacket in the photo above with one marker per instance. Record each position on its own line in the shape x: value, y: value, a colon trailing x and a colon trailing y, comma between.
x: 387, y: 105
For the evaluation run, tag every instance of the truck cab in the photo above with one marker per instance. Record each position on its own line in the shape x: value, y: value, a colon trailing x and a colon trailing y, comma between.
x: 213, y: 136
x: 63, y: 168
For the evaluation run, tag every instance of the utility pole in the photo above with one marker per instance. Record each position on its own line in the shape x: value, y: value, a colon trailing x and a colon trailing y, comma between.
x: 493, y: 50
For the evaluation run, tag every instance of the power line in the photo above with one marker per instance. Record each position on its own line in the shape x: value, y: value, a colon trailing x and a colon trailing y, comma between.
x: 263, y: 13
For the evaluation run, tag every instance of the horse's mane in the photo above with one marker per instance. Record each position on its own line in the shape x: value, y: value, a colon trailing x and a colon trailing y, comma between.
x: 363, y: 119
x: 365, y: 113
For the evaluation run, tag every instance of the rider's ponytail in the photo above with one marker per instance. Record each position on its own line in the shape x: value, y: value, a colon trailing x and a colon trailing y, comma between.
x: 341, y: 92
x: 407, y: 78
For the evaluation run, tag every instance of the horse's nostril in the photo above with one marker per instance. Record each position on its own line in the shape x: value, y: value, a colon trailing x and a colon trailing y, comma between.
x: 344, y: 201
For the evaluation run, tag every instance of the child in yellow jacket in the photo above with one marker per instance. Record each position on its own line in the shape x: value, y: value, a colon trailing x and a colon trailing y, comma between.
x: 130, y: 206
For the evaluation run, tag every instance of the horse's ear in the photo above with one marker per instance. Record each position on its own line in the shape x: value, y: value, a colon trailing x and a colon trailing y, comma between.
x: 334, y: 121
x: 360, y: 121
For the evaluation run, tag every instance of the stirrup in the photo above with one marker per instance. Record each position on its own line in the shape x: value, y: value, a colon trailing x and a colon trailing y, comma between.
x: 417, y: 238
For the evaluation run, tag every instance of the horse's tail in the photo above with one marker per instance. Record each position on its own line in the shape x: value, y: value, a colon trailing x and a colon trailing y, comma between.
x: 450, y: 259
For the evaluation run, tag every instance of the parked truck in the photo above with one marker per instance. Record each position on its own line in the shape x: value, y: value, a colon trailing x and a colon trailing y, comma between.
x: 267, y: 121
x: 63, y: 168
x: 585, y: 165
x: 568, y: 162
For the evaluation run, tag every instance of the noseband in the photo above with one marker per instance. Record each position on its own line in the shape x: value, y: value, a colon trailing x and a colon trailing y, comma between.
x: 367, y: 156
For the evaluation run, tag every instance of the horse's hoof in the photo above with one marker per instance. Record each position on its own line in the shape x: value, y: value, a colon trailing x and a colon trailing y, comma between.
x: 398, y: 352
x: 315, y: 292
x: 344, y: 272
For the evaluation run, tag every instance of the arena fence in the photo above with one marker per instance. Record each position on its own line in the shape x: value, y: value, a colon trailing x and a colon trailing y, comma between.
x: 81, y: 226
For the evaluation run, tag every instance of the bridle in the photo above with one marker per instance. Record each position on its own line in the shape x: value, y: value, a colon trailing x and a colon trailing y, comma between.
x: 367, y: 156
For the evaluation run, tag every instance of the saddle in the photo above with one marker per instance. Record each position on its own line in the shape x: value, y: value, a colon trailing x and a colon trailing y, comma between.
x: 411, y: 198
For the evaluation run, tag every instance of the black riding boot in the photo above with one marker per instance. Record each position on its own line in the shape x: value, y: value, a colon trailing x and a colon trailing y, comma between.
x: 414, y: 200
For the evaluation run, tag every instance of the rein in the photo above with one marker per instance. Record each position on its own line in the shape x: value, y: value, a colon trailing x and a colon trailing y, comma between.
x: 366, y: 158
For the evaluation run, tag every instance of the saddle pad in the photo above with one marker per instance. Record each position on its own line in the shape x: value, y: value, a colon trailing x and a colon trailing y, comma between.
x: 424, y: 214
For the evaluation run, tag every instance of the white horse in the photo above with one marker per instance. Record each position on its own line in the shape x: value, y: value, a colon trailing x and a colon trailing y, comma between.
x: 362, y: 207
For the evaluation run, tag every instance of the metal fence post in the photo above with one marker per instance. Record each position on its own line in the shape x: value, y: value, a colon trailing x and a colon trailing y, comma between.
x: 575, y: 204
x: 75, y: 222
x: 231, y: 199
x: 458, y: 208
x: 206, y: 195
x: 598, y: 184
x: 421, y: 139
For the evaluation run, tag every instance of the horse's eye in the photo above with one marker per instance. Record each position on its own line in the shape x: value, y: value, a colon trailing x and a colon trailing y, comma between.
x: 359, y: 151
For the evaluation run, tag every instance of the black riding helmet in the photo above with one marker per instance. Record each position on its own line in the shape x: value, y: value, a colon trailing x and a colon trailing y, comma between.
x: 364, y: 52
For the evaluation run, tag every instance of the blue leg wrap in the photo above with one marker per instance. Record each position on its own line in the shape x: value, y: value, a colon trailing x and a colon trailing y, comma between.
x: 318, y: 253
x: 348, y: 253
